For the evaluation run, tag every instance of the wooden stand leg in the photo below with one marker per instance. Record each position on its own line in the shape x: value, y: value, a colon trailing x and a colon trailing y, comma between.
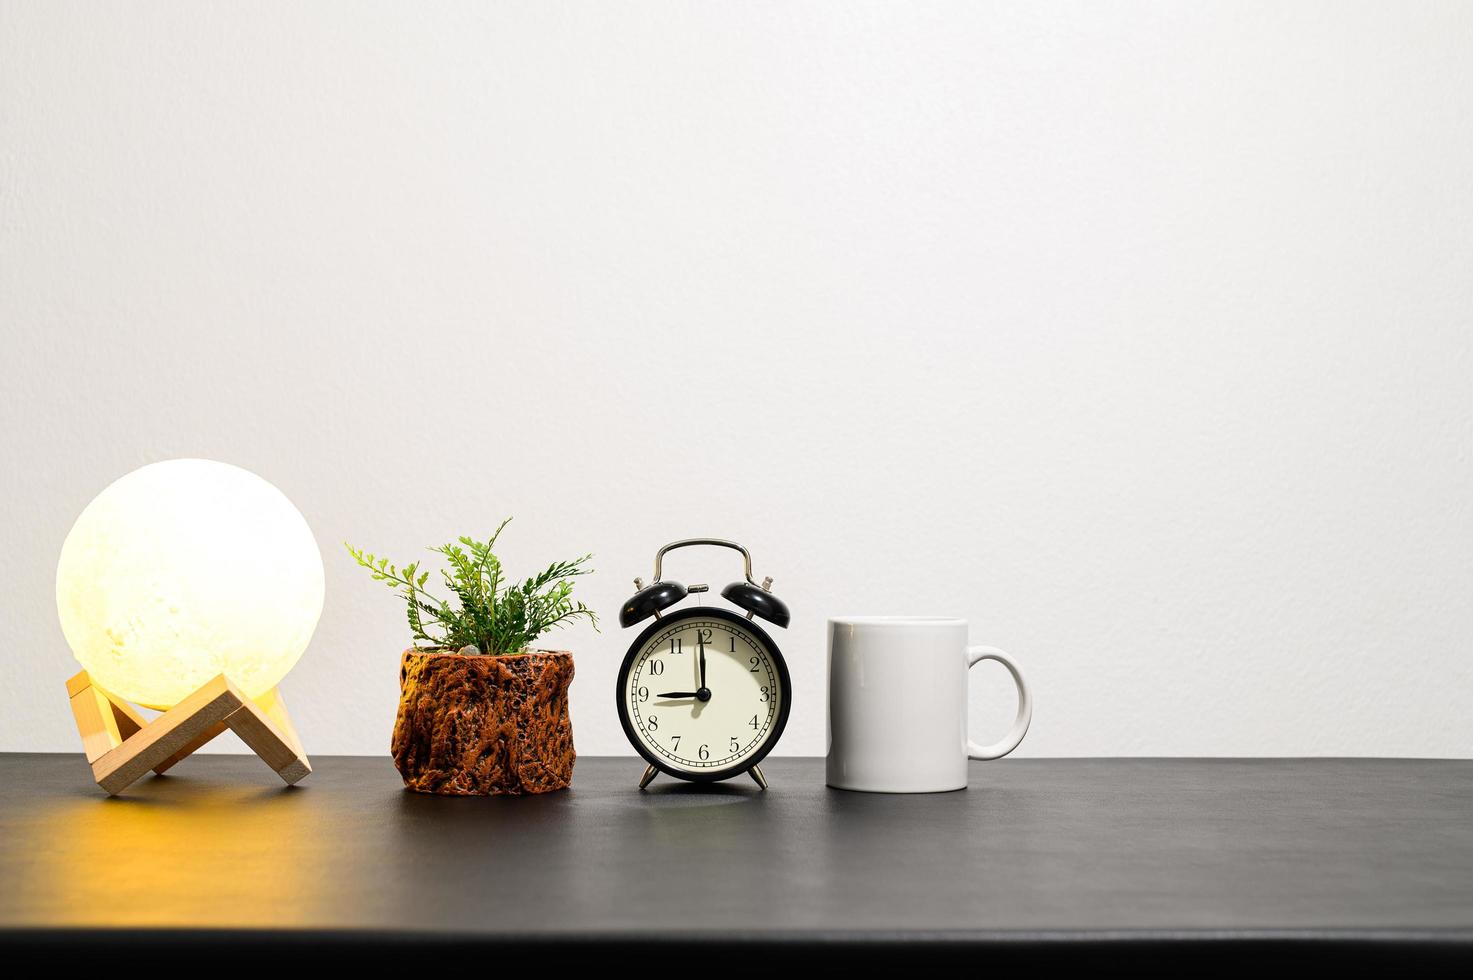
x: 205, y: 736
x: 165, y: 736
x: 269, y: 733
x: 122, y: 746
x: 96, y: 721
x: 275, y: 709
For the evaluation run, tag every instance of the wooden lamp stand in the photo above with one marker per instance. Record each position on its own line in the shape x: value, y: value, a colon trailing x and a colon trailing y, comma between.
x: 122, y: 745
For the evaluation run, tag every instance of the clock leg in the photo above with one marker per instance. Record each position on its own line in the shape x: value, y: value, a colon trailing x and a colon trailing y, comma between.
x: 756, y: 772
x: 650, y: 772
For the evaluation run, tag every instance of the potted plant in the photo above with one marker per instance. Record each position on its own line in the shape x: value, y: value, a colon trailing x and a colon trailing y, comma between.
x: 480, y: 712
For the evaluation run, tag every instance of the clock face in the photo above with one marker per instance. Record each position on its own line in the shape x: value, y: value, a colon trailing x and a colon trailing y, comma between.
x: 703, y: 730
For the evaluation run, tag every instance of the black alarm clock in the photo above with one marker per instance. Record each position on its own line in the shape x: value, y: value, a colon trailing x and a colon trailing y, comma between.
x: 703, y: 691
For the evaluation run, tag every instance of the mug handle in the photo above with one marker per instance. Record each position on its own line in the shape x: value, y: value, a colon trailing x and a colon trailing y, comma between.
x: 975, y: 655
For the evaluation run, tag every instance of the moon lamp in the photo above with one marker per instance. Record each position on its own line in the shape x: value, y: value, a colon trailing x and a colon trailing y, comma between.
x: 191, y: 587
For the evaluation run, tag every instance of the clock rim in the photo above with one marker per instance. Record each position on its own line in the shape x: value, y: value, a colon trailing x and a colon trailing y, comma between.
x: 778, y: 726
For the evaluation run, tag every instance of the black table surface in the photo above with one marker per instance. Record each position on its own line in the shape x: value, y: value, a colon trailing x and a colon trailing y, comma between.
x: 1175, y: 857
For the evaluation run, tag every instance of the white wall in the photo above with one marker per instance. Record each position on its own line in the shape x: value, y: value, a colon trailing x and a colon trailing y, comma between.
x: 1139, y: 334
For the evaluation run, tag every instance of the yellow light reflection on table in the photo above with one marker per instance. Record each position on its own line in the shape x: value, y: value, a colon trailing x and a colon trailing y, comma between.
x: 191, y: 852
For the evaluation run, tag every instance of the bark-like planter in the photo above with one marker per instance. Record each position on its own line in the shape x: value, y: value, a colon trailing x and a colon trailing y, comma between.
x: 472, y: 725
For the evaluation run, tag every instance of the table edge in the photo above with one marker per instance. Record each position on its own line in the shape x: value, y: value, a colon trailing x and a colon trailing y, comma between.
x: 1450, y: 936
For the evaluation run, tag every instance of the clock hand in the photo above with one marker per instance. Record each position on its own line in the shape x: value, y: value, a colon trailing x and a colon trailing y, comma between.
x: 702, y: 695
x: 701, y: 643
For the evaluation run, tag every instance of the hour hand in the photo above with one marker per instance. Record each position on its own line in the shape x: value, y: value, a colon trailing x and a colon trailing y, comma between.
x: 677, y: 694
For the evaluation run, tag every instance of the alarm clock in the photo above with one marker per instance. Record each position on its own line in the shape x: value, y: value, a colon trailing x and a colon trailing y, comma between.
x: 703, y: 692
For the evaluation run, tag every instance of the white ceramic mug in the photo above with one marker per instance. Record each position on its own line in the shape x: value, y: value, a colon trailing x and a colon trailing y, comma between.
x: 898, y: 704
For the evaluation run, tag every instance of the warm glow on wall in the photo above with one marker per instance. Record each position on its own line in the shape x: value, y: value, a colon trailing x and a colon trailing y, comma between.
x: 185, y: 570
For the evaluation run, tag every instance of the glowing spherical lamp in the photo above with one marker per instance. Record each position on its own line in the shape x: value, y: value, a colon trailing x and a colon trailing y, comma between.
x: 188, y: 584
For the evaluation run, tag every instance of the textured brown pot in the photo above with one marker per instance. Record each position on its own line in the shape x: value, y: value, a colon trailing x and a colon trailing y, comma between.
x: 476, y: 725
